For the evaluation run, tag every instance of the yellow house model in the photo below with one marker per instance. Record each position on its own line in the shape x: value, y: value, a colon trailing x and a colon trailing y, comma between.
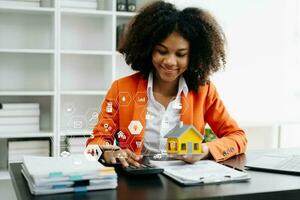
x: 184, y: 139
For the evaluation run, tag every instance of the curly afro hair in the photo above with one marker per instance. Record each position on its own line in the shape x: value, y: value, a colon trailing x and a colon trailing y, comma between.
x: 157, y: 21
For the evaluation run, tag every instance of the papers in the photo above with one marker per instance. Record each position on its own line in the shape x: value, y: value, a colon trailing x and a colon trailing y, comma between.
x: 201, y: 172
x: 19, y: 118
x: 49, y: 175
x: 17, y: 149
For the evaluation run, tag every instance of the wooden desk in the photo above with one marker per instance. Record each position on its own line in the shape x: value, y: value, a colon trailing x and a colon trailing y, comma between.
x: 261, y: 186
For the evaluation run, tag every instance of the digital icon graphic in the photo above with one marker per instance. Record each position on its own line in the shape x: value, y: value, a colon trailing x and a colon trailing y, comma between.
x: 141, y: 99
x: 121, y: 135
x: 65, y: 154
x: 107, y: 127
x: 124, y: 98
x: 135, y: 127
x: 94, y: 116
x: 68, y: 108
x: 148, y: 116
x: 177, y: 105
x: 138, y: 144
x: 77, y: 124
x: 109, y: 108
x: 92, y: 152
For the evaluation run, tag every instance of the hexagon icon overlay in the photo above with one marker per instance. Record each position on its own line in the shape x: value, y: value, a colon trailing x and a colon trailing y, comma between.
x: 92, y: 152
x: 135, y: 127
x: 125, y: 98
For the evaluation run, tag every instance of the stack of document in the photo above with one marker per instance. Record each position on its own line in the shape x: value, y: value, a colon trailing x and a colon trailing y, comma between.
x: 79, y: 4
x: 20, y: 3
x: 19, y: 118
x: 17, y: 149
x: 76, y: 145
x: 201, y: 172
x: 50, y: 175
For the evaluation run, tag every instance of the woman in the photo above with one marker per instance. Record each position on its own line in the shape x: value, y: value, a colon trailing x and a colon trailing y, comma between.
x: 174, y: 53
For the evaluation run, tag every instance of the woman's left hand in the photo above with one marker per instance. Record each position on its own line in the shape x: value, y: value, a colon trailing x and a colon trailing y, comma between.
x: 194, y: 157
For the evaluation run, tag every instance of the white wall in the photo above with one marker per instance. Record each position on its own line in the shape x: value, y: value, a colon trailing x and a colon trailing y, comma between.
x: 260, y: 85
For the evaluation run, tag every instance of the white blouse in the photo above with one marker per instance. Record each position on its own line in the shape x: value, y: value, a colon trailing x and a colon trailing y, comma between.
x: 159, y: 121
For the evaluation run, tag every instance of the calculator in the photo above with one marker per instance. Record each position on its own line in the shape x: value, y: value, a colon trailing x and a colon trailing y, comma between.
x: 145, y: 169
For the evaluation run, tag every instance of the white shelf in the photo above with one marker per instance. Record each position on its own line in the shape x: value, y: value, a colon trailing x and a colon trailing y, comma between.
x: 33, y: 51
x: 28, y: 135
x: 76, y: 133
x: 26, y: 93
x: 83, y: 92
x: 62, y: 58
x: 33, y: 10
x: 86, y: 52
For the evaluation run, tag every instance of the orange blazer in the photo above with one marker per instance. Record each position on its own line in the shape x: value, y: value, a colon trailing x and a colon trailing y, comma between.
x: 127, y: 101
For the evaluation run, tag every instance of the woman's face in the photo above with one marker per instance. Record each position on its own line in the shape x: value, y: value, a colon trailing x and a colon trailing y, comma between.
x: 171, y: 57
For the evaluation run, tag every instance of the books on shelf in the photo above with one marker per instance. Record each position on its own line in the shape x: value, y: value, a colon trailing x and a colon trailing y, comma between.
x: 46, y: 3
x: 200, y: 173
x: 126, y: 5
x: 17, y: 156
x: 26, y: 3
x: 49, y: 175
x: 17, y: 149
x: 131, y: 5
x: 76, y: 145
x: 121, y: 5
x: 19, y: 128
x: 28, y: 144
x: 80, y: 4
x: 18, y: 113
x: 19, y: 118
x: 16, y: 3
x: 20, y: 106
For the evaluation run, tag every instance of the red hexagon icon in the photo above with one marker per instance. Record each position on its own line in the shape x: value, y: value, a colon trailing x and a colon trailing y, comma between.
x: 141, y: 98
x: 92, y: 152
x: 136, y: 144
x: 123, y: 137
x: 124, y: 98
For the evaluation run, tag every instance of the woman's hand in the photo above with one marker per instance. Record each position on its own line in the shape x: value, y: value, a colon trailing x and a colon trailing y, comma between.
x: 195, y: 157
x: 112, y: 154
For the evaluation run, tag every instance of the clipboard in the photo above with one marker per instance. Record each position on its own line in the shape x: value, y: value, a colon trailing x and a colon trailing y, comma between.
x: 201, y: 173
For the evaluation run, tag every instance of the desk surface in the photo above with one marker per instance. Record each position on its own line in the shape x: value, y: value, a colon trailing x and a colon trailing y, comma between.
x: 261, y: 186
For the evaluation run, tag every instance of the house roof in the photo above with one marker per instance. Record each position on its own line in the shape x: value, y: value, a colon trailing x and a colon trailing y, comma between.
x: 178, y: 131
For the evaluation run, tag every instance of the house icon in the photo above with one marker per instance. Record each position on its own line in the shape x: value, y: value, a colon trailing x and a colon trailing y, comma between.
x: 184, y: 139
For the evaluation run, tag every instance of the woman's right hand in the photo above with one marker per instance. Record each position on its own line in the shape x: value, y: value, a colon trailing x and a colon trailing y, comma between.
x: 112, y: 154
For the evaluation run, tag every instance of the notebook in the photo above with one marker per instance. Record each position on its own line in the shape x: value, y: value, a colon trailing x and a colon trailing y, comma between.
x: 281, y: 163
x: 201, y: 172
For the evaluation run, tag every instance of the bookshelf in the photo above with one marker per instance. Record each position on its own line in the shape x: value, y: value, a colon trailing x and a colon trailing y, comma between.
x: 65, y: 59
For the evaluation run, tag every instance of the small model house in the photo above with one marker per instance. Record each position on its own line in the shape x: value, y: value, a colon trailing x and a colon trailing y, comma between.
x: 184, y: 139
